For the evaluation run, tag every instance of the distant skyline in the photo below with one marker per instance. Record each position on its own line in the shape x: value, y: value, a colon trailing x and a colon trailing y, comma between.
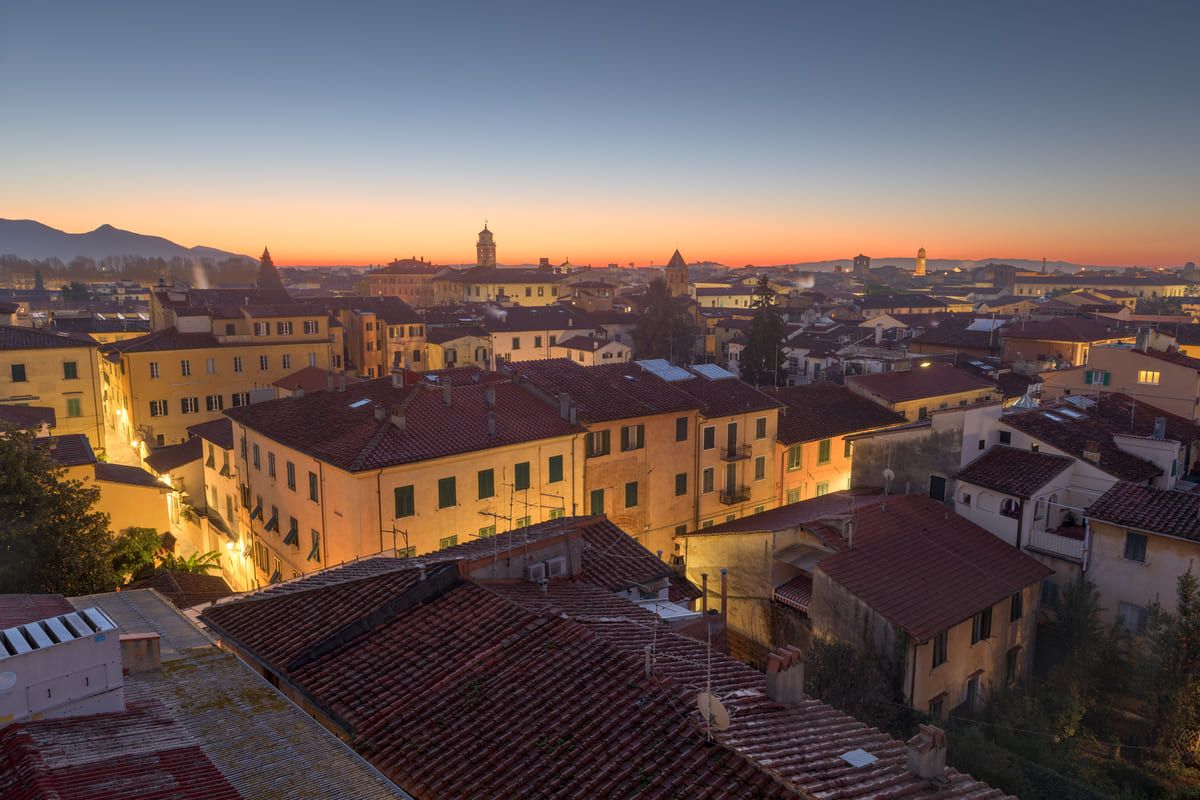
x: 748, y: 133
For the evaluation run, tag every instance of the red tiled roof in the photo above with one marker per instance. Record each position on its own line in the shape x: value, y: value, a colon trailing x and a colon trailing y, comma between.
x: 589, y: 343
x: 1063, y: 329
x: 14, y: 337
x: 792, y: 515
x: 18, y: 609
x: 140, y: 754
x: 172, y: 339
x: 823, y: 410
x: 1146, y: 509
x: 925, y: 568
x: 1174, y: 357
x: 449, y: 333
x: 935, y: 380
x: 27, y: 417
x: 726, y: 397
x: 166, y: 458
x: 130, y: 476
x: 185, y: 589
x: 313, y: 379
x: 217, y: 431
x: 1013, y: 471
x: 69, y: 450
x: 326, y: 426
x: 796, y: 593
x: 606, y: 392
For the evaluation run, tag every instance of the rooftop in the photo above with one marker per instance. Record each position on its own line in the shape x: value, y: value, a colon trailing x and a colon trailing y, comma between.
x: 217, y: 431
x: 899, y: 301
x: 27, y: 417
x: 341, y: 428
x: 185, y: 589
x: 824, y: 410
x: 1102, y: 280
x: 69, y: 450
x: 131, y: 476
x: 502, y: 275
x: 795, y: 515
x: 19, y: 609
x: 448, y: 333
x: 925, y: 568
x: 936, y: 380
x: 1012, y: 471
x: 1064, y: 329
x: 20, y: 338
x: 1153, y: 510
x: 606, y: 392
x: 589, y: 344
x: 313, y: 379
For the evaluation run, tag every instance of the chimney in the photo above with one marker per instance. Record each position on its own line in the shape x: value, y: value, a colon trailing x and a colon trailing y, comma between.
x: 878, y: 332
x: 398, y: 378
x: 298, y: 392
x: 724, y: 590
x: 564, y: 405
x: 1160, y: 428
x: 785, y: 675
x: 446, y: 392
x: 927, y: 753
x: 140, y: 652
x: 398, y: 417
x: 342, y: 382
x: 1143, y: 339
x: 1091, y: 451
x: 329, y: 381
x: 380, y: 413
x: 704, y: 592
x: 491, y: 423
x: 489, y: 396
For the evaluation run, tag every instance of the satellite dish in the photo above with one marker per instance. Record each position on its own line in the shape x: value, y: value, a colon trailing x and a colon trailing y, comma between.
x: 888, y: 475
x: 9, y: 679
x: 713, y: 710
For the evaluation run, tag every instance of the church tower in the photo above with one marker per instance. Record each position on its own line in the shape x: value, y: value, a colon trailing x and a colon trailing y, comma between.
x: 919, y: 272
x: 676, y: 275
x: 485, y: 249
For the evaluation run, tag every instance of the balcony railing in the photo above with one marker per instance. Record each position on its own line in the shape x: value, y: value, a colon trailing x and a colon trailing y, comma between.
x: 1067, y: 543
x: 739, y: 452
x: 735, y: 494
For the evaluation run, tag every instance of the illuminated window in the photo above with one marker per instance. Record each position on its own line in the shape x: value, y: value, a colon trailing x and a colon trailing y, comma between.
x: 1148, y: 376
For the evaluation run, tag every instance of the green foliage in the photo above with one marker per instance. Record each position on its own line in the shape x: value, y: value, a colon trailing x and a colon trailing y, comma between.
x: 197, y: 563
x: 1173, y: 672
x: 665, y: 328
x: 50, y: 538
x: 133, y: 549
x: 853, y: 680
x: 762, y: 360
x: 76, y: 291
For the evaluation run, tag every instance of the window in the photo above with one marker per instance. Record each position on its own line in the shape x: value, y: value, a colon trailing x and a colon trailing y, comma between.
x: 1005, y: 437
x: 447, y: 493
x: 214, y: 402
x: 153, y: 369
x: 18, y: 373
x: 760, y: 428
x: 680, y: 484
x: 1132, y: 617
x: 537, y: 341
x: 185, y: 367
x: 708, y: 478
x: 708, y: 523
x: 314, y: 552
x: 1049, y: 594
x: 487, y: 483
x: 240, y: 399
x: 922, y: 413
x: 70, y: 371
x: 283, y: 328
x: 74, y: 407
x: 1135, y: 547
x: 271, y: 464
x: 190, y: 405
x: 710, y: 437
x: 237, y: 363
x: 486, y: 531
x: 633, y: 437
x: 405, y: 501
x: 529, y: 291
x: 596, y: 506
x: 286, y: 358
x: 1010, y: 508
x: 257, y: 457
x: 793, y: 496
x: 521, y: 476
x: 264, y: 362
x: 262, y: 329
x: 597, y: 444
x: 822, y: 489
x: 793, y: 458
x: 681, y: 429
x: 516, y: 343
x: 935, y: 706
x: 847, y: 448
x: 1015, y: 609
x: 290, y: 469
x: 312, y: 326
x: 312, y: 359
x: 555, y: 469
x: 981, y: 626
x: 939, y: 648
x: 631, y: 494
x: 1011, y: 661
x: 1148, y: 376
x: 557, y: 513
x: 1096, y: 377
x: 312, y: 488
x: 760, y: 468
x: 406, y: 552
x: 447, y: 541
x: 523, y: 522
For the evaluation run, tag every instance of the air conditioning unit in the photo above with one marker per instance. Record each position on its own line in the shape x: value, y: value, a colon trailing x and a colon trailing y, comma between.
x: 556, y: 567
x: 535, y: 572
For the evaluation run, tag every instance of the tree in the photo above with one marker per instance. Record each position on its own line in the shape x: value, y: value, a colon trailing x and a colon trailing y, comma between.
x: 268, y: 276
x: 50, y: 538
x: 39, y: 285
x: 197, y: 563
x: 1172, y: 648
x: 665, y: 329
x: 76, y: 291
x: 133, y: 549
x: 763, y: 361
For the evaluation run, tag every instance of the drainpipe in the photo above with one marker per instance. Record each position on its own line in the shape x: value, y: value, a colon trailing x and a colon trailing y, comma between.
x: 912, y: 681
x: 1021, y: 519
x: 324, y: 524
x: 379, y: 499
x: 1087, y: 544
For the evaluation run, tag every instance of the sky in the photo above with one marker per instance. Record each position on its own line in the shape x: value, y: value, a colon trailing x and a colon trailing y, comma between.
x: 747, y: 132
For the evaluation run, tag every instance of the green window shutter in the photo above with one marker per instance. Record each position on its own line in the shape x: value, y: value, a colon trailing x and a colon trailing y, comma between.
x: 447, y: 494
x: 522, y: 476
x: 597, y: 504
x: 1106, y: 377
x: 631, y: 494
x: 1087, y: 377
x: 487, y: 484
x: 556, y: 469
x: 405, y: 501
x: 681, y: 484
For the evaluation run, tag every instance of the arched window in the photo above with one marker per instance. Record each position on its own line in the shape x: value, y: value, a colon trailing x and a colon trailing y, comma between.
x: 1009, y: 508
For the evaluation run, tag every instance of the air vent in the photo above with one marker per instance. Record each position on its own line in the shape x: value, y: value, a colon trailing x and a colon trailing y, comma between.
x: 53, y: 630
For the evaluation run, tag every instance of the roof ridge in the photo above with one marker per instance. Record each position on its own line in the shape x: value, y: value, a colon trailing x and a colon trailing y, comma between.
x: 384, y: 427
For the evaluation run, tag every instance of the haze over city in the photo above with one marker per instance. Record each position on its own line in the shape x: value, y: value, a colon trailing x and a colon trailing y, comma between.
x: 769, y: 133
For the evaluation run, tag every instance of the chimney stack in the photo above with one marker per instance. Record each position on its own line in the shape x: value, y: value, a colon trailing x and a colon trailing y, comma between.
x: 491, y: 423
x: 398, y: 378
x: 564, y: 405
x: 489, y: 396
x: 446, y: 392
x: 380, y: 413
x: 927, y: 753
x: 329, y: 381
x: 298, y: 392
x: 785, y: 675
x: 1160, y: 428
x: 342, y: 382
x: 704, y: 592
x: 724, y: 591
x: 1091, y: 451
x: 398, y: 417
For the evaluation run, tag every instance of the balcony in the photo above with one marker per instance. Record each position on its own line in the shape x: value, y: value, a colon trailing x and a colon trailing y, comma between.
x: 739, y: 452
x: 731, y: 495
x: 1065, y: 543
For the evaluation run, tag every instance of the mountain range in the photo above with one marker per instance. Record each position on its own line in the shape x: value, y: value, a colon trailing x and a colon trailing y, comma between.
x: 29, y: 239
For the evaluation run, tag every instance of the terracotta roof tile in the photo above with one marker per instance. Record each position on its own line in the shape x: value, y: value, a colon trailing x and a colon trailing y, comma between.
x: 69, y: 450
x: 1064, y: 329
x: 131, y: 476
x: 21, y: 338
x: 217, y: 431
x: 824, y: 410
x: 1147, y: 509
x: 185, y: 589
x: 933, y: 381
x: 27, y: 417
x: 1013, y: 471
x: 169, y: 457
x: 606, y: 392
x: 18, y: 609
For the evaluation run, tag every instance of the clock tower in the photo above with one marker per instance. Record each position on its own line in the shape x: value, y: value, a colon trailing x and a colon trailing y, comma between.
x: 485, y: 248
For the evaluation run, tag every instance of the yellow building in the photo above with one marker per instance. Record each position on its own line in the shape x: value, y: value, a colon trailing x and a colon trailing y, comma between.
x: 923, y: 389
x: 379, y: 333
x: 132, y: 497
x: 457, y: 346
x: 159, y: 384
x: 529, y: 334
x: 57, y: 371
x: 1142, y: 286
x: 591, y: 351
x: 380, y: 466
x: 813, y: 453
x: 515, y: 287
x: 409, y: 279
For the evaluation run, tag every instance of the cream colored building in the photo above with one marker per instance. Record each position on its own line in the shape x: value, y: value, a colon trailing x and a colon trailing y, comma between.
x: 590, y: 351
x: 506, y: 287
x: 459, y: 346
x: 918, y: 392
x: 54, y: 370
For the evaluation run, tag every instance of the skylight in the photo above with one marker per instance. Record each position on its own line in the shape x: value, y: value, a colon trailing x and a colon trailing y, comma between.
x: 360, y: 403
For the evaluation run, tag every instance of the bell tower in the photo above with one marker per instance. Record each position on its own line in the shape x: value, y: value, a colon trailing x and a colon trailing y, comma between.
x: 485, y: 248
x: 919, y: 272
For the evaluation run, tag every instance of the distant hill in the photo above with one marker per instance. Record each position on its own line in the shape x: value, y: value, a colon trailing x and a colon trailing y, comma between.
x: 29, y: 239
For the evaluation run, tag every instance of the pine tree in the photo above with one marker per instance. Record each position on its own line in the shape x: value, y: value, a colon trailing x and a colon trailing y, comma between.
x: 268, y: 276
x: 763, y: 362
x: 665, y: 329
x: 39, y: 285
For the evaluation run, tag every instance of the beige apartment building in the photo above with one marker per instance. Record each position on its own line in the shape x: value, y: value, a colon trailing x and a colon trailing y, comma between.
x: 927, y: 387
x: 160, y: 384
x: 507, y: 287
x: 384, y: 466
x: 56, y: 371
x: 1166, y: 380
x: 410, y: 279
